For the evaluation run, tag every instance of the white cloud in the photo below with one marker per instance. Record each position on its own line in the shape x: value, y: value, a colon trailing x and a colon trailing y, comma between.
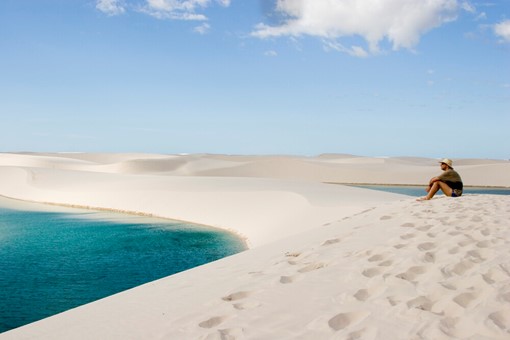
x: 179, y: 9
x: 270, y: 53
x: 355, y: 51
x: 502, y: 30
x: 162, y: 9
x: 176, y: 5
x: 176, y: 9
x: 468, y: 7
x: 202, y: 29
x: 224, y: 3
x: 400, y: 22
x: 481, y: 16
x: 111, y: 7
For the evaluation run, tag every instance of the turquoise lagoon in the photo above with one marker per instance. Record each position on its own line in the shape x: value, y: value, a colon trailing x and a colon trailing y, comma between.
x: 54, y: 261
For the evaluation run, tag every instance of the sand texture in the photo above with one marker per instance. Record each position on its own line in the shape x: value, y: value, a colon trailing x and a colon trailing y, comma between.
x: 326, y: 261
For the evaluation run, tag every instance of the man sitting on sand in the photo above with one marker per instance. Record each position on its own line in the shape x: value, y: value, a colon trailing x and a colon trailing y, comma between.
x: 449, y: 182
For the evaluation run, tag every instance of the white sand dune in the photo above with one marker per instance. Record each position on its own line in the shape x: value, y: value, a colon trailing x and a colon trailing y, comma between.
x: 327, y: 261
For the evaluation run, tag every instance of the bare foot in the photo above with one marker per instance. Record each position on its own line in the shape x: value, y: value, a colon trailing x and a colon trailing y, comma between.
x: 425, y: 198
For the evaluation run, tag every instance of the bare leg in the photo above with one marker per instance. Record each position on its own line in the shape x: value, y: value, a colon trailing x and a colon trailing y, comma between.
x: 434, y: 188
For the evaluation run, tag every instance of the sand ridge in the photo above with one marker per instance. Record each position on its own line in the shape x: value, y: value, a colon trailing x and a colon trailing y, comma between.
x: 322, y: 168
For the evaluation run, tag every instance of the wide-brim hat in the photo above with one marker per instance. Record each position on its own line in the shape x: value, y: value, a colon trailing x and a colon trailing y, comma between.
x: 447, y: 161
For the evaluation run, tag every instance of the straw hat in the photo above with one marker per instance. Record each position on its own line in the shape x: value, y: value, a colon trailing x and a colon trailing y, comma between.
x: 447, y: 162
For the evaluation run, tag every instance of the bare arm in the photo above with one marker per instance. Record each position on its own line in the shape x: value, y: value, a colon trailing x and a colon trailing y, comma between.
x: 433, y: 180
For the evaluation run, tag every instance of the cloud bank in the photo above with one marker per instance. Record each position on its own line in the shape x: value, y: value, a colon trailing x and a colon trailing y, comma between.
x: 400, y: 22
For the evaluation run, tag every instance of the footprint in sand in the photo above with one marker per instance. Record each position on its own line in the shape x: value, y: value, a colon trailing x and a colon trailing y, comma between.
x: 394, y: 300
x: 412, y: 273
x: 479, y: 255
x: 449, y: 326
x: 424, y: 228
x: 236, y: 296
x: 285, y: 279
x: 505, y: 296
x: 408, y: 225
x: 505, y: 267
x: 485, y: 232
x: 453, y: 250
x: 292, y: 254
x: 443, y: 219
x: 448, y: 285
x: 364, y: 333
x: 501, y: 319
x: 494, y: 275
x: 465, y: 299
x: 366, y: 293
x: 462, y: 267
x: 228, y: 333
x: 344, y: 320
x: 386, y: 263
x: 483, y: 244
x: 256, y: 274
x: 246, y: 305
x: 212, y: 322
x: 421, y: 302
x: 426, y: 246
x: 376, y: 257
x: 288, y: 279
x: 362, y: 295
x: 371, y: 272
x: 331, y: 241
x: 476, y: 219
x: 382, y: 218
x: 459, y: 268
x: 312, y: 267
x: 465, y: 243
x: 407, y: 236
x: 429, y: 257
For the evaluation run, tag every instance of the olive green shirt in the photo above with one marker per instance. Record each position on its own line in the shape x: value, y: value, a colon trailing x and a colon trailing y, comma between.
x: 452, y: 179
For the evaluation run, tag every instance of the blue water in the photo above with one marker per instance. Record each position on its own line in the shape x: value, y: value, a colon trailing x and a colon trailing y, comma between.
x: 420, y: 191
x: 51, y: 262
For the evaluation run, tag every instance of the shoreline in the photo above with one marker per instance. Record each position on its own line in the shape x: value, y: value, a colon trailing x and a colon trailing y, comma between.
x: 241, y: 238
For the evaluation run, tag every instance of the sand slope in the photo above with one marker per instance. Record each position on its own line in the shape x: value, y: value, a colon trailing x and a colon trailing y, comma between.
x: 410, y: 270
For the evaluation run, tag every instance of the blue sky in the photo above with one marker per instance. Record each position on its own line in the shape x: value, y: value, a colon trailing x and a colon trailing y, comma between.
x: 424, y: 78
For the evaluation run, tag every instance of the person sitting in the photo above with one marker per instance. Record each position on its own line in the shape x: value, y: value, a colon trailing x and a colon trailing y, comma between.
x: 449, y: 182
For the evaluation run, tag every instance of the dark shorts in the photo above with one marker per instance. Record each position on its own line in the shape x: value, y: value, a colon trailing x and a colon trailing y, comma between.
x: 456, y: 192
